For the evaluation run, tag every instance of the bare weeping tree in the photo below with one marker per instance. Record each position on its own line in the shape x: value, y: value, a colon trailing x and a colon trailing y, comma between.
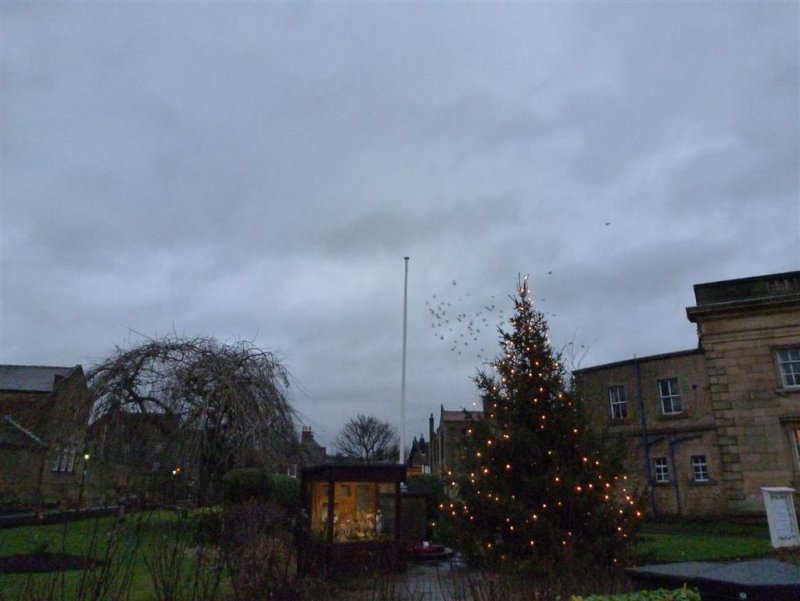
x: 366, y: 438
x: 224, y: 405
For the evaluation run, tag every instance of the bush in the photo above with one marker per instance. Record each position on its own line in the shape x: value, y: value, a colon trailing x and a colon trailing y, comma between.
x: 11, y: 502
x: 242, y: 484
x: 260, y: 554
x: 681, y: 594
x: 206, y: 524
x: 433, y: 488
x: 286, y: 492
x: 427, y: 484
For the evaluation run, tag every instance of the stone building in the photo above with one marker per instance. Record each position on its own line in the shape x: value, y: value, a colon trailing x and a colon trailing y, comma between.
x: 447, y: 441
x: 707, y: 428
x: 44, y: 412
x: 666, y: 397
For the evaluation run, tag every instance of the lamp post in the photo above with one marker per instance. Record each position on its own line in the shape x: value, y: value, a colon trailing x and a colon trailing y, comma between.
x: 86, y: 457
x: 175, y: 473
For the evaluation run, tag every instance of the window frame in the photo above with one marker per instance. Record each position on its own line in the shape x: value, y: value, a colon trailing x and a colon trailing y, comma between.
x: 660, y: 470
x: 796, y: 444
x: 673, y: 396
x: 56, y: 460
x: 64, y: 460
x: 700, y: 473
x: 617, y: 402
x: 72, y: 453
x: 789, y: 368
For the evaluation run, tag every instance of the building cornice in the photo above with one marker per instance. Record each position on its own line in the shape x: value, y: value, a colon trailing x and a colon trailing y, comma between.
x: 743, y: 308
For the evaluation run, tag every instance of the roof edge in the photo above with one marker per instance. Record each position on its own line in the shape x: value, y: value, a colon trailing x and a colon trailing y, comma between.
x: 647, y: 358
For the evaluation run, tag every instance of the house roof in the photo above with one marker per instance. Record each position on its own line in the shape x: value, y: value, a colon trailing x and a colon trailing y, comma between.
x: 633, y: 361
x: 358, y: 472
x: 31, y: 378
x: 460, y: 416
x: 760, y: 287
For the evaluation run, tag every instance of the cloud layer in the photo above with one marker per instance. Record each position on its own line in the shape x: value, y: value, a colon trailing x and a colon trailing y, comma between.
x: 259, y: 171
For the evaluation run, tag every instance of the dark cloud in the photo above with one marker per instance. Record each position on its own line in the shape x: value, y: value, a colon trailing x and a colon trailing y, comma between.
x: 259, y: 170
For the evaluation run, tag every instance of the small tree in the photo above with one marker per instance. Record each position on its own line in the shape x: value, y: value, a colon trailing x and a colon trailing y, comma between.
x: 366, y: 438
x: 539, y: 485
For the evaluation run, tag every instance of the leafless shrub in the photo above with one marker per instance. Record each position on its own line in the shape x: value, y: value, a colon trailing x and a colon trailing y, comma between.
x: 180, y: 572
x: 259, y: 552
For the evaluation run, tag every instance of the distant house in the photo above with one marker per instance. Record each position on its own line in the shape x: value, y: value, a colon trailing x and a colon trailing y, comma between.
x: 447, y: 441
x: 309, y: 453
x: 419, y: 457
x: 44, y: 412
x: 708, y: 427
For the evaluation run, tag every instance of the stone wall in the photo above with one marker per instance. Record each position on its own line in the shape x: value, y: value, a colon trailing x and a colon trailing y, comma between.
x: 755, y: 415
x: 19, y: 474
x: 675, y: 438
x: 737, y: 412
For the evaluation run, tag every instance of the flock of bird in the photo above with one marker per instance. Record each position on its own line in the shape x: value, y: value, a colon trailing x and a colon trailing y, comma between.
x: 461, y: 322
x: 464, y: 323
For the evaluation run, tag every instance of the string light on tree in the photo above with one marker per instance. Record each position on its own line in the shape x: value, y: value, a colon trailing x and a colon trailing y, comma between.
x: 531, y: 461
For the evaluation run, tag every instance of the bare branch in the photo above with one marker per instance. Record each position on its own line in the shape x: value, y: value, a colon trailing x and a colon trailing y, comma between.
x: 230, y: 401
x: 368, y: 439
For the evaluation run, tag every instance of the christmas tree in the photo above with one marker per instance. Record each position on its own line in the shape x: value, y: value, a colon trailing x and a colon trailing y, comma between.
x: 538, y: 484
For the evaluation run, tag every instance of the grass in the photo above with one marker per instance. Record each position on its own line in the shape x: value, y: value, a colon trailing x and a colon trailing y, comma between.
x: 139, y: 541
x: 69, y: 537
x: 663, y: 542
x: 123, y: 546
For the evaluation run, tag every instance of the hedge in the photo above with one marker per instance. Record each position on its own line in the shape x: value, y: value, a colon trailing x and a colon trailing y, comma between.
x: 242, y: 484
x: 681, y: 594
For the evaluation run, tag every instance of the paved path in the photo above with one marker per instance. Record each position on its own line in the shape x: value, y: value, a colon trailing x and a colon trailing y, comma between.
x: 445, y: 580
x: 437, y: 581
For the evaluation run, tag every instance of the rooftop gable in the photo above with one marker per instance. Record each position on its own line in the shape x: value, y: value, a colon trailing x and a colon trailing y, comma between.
x: 31, y: 378
x: 460, y: 416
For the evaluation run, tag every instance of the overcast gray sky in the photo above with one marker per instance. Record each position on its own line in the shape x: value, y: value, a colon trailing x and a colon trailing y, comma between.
x: 258, y: 170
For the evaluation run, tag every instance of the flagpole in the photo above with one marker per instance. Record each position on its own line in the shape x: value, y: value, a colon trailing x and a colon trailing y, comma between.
x: 403, y: 378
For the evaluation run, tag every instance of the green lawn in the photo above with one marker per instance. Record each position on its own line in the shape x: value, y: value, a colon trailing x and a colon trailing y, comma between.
x: 702, y: 542
x: 124, y: 547
x: 70, y: 537
x: 144, y: 537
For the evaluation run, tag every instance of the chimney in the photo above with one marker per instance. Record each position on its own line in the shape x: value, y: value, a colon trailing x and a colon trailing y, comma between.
x: 307, y: 436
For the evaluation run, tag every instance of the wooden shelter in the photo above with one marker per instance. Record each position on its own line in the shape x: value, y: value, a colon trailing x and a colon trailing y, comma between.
x: 354, y: 517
